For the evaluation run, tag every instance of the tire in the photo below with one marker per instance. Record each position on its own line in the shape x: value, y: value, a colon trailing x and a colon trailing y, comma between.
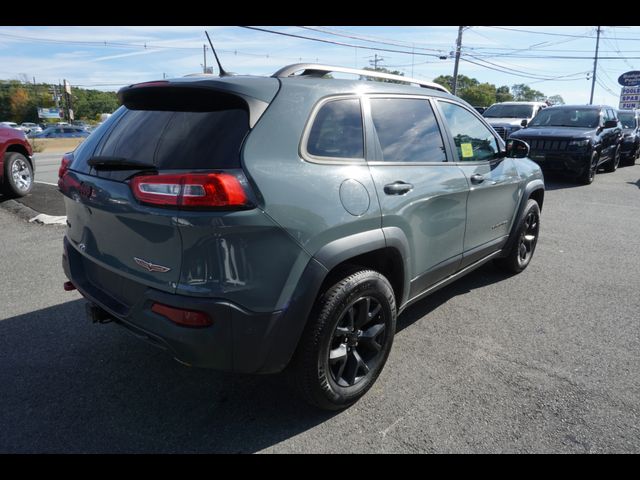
x: 18, y: 175
x: 612, y: 165
x: 346, y: 342
x: 589, y: 174
x: 524, y: 246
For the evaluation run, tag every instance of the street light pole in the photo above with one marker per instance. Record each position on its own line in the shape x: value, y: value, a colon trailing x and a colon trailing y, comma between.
x: 455, y: 68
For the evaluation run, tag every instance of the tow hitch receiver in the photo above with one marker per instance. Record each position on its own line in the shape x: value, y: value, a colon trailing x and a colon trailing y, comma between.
x: 97, y: 314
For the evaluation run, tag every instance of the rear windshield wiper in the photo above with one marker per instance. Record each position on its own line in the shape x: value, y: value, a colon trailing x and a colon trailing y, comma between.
x: 119, y: 163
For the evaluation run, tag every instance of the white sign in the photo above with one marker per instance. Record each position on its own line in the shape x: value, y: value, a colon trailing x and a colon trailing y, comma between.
x: 629, y: 98
x: 50, y: 113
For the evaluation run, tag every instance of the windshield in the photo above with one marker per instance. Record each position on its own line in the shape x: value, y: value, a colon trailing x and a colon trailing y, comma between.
x: 567, y: 117
x: 509, y: 111
x: 628, y: 119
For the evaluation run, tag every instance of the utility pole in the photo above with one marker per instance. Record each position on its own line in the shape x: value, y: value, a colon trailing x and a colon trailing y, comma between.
x: 204, y: 52
x: 595, y: 66
x: 455, y: 68
x: 375, y: 61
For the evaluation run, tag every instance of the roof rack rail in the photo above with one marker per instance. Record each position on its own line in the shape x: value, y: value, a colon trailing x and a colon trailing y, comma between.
x: 318, y: 70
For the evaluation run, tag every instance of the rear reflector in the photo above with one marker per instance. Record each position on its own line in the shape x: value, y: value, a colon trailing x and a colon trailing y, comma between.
x: 188, y: 318
x: 190, y: 190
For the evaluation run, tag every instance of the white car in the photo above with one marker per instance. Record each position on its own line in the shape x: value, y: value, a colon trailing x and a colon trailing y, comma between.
x: 30, y: 128
x: 11, y: 124
x: 508, y: 117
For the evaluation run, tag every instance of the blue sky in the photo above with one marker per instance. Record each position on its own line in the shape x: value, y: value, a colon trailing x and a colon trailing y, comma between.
x: 107, y: 58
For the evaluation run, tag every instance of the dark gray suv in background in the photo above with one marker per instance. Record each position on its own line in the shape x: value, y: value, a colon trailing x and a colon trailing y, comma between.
x: 574, y: 139
x: 250, y: 223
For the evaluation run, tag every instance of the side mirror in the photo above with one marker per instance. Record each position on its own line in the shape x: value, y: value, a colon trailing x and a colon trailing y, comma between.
x: 524, y: 123
x: 610, y: 124
x: 517, y: 148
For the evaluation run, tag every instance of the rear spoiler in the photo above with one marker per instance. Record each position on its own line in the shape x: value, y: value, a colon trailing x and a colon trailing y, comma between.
x: 188, y: 97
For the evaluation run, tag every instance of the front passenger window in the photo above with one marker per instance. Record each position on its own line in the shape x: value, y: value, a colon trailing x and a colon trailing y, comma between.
x: 474, y: 141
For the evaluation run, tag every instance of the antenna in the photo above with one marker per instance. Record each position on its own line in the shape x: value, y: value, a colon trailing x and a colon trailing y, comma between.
x: 222, y: 71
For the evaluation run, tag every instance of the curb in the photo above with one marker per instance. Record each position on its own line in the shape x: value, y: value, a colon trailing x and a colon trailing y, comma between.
x: 30, y: 215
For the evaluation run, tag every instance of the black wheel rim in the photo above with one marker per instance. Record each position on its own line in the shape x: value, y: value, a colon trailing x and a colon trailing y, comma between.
x: 358, y: 341
x: 528, y: 238
x: 592, y: 170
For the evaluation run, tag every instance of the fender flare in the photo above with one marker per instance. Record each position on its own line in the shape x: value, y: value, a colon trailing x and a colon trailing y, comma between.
x: 295, y: 316
x: 532, y: 186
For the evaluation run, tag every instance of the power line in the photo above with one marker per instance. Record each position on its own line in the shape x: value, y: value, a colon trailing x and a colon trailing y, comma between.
x: 555, y: 34
x: 521, y: 75
x: 365, y: 39
x: 338, y: 43
x: 370, y: 38
x: 538, y: 32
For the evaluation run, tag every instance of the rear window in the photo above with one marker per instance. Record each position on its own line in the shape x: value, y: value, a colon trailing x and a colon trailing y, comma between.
x: 178, y: 140
x: 337, y: 131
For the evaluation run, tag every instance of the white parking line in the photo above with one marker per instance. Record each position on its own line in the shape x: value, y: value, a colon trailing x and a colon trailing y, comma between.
x: 46, y: 183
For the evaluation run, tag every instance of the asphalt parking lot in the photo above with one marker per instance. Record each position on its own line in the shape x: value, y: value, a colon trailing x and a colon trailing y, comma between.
x: 545, y: 362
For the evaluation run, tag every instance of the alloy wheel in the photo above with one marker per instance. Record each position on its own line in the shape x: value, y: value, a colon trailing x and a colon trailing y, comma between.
x: 528, y: 238
x: 357, y: 343
x: 21, y: 175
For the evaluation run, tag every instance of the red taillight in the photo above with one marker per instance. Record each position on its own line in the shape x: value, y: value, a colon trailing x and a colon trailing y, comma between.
x: 67, y: 158
x: 191, y: 190
x: 188, y: 318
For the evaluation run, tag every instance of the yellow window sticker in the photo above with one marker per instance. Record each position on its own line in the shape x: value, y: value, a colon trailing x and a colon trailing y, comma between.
x: 467, y: 150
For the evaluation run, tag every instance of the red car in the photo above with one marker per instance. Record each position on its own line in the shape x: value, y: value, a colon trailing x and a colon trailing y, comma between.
x: 16, y: 165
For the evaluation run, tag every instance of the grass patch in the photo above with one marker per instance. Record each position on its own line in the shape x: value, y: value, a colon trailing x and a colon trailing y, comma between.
x: 36, y: 145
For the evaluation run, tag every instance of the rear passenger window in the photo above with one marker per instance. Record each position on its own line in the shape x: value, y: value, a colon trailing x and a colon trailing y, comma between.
x: 337, y: 130
x: 407, y: 130
x: 474, y: 141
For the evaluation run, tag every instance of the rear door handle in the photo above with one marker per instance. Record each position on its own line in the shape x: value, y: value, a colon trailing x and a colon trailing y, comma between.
x: 397, y: 188
x: 477, y: 178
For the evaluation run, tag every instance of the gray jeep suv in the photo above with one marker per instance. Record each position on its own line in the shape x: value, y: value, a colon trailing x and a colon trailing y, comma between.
x: 250, y: 223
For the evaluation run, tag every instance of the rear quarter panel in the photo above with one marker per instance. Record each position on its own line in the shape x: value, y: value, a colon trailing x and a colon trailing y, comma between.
x: 304, y: 197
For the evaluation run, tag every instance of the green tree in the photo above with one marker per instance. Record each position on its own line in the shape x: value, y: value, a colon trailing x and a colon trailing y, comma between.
x: 385, y: 70
x: 89, y: 104
x: 555, y: 100
x: 481, y: 95
x: 524, y: 93
x: 503, y: 94
x: 463, y: 82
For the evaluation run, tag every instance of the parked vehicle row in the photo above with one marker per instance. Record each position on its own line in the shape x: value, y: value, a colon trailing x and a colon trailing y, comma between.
x: 65, y: 131
x: 59, y: 130
x: 577, y: 139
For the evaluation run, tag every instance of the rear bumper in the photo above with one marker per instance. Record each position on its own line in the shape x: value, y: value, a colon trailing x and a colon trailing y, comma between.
x: 239, y: 340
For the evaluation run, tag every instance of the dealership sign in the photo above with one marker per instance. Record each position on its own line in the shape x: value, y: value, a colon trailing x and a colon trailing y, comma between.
x: 629, y: 98
x: 630, y: 79
x: 50, y: 113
